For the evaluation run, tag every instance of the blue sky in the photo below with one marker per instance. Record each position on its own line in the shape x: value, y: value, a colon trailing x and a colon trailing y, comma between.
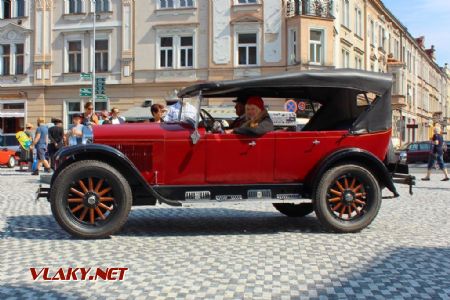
x: 430, y: 18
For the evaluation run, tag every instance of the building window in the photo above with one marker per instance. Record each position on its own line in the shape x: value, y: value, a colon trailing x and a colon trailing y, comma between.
x: 166, y: 52
x: 316, y: 47
x: 346, y: 13
x: 20, y: 8
x: 345, y: 59
x: 74, y: 53
x: 372, y: 32
x: 102, y: 6
x: 358, y: 22
x: 246, y: 1
x: 186, y: 3
x: 19, y: 59
x: 101, y: 56
x: 292, y: 58
x: 186, y: 51
x: 171, y: 4
x: 247, y: 49
x: 75, y: 6
x: 382, y: 38
x: 5, y: 58
x: 358, y: 62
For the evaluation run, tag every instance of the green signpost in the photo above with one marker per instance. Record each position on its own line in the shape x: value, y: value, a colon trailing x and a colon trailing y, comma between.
x: 86, y: 76
x: 100, y: 86
x: 85, y: 92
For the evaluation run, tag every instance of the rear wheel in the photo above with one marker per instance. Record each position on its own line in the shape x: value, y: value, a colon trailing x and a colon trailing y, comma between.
x: 90, y: 199
x: 347, y: 199
x: 294, y: 210
x: 11, y: 162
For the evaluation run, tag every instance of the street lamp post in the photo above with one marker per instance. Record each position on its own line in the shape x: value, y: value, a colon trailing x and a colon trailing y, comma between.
x: 93, y: 55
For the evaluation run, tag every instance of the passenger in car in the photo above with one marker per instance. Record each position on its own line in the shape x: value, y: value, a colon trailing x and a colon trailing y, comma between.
x: 240, y: 112
x: 258, y: 119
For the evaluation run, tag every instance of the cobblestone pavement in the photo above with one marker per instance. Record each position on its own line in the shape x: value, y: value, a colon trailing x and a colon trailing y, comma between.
x: 231, y: 252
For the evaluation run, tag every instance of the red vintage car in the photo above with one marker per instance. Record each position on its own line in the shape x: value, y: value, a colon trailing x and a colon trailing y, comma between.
x: 8, y: 157
x: 337, y: 165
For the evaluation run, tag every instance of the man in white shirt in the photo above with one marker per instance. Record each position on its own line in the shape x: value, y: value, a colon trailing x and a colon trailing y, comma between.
x: 188, y: 112
x: 115, y: 118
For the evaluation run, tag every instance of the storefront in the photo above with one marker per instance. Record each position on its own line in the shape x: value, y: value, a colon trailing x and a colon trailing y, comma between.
x: 12, y: 120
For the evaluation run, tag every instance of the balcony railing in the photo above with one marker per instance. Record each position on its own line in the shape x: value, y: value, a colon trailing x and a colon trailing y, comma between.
x: 316, y: 8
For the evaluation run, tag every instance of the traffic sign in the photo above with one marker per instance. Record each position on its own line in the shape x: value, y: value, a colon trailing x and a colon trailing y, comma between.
x: 301, y: 106
x: 86, y: 76
x: 85, y: 92
x: 290, y: 106
x: 101, y: 97
x: 100, y: 85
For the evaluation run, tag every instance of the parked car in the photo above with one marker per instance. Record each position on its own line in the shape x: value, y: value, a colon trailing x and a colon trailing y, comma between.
x: 336, y: 165
x: 418, y: 152
x: 8, y: 157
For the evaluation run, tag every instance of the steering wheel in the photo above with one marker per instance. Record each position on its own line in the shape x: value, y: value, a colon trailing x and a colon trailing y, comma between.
x: 207, y: 120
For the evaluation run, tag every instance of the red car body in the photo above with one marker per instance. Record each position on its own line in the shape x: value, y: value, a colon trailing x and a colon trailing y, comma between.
x: 165, y: 155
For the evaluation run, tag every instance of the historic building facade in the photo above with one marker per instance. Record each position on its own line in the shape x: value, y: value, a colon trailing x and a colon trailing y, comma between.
x: 148, y: 49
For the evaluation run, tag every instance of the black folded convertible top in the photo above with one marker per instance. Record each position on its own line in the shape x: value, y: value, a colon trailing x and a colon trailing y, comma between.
x: 285, y: 84
x: 336, y: 90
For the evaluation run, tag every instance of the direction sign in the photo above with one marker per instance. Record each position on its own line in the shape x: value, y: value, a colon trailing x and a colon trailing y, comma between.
x: 290, y: 106
x: 85, y: 92
x: 101, y: 97
x: 86, y: 76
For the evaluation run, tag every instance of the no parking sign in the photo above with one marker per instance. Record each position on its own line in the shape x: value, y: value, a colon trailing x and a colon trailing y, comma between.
x: 290, y: 106
x: 301, y: 106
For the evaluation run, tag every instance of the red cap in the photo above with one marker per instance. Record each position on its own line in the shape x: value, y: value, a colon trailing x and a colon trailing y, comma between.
x: 256, y: 100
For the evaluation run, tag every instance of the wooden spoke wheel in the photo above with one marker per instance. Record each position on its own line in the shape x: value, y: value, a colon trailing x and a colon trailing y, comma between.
x: 90, y: 199
x: 347, y: 198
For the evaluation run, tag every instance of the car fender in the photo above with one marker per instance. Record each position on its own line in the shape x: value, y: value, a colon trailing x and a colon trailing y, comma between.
x: 68, y: 155
x: 353, y: 155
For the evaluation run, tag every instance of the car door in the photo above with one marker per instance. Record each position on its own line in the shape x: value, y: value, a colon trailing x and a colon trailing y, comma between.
x: 413, y: 153
x: 424, y: 151
x: 239, y: 159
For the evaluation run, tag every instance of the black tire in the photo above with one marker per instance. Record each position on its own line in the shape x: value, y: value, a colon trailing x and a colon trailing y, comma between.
x: 113, y: 189
x: 294, y: 210
x: 11, y: 162
x: 360, y: 208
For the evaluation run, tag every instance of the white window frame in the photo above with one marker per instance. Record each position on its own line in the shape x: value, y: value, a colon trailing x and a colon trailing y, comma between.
x: 108, y: 52
x: 166, y: 50
x: 176, y: 35
x: 237, y: 45
x: 372, y: 31
x: 322, y: 43
x: 67, y: 7
x: 346, y: 13
x: 69, y: 53
x: 358, y: 62
x: 14, y: 9
x: 246, y: 2
x: 187, y: 48
x: 10, y: 60
x: 73, y: 38
x: 292, y: 46
x: 177, y: 4
x: 15, y: 55
x: 345, y: 58
x: 102, y: 5
x: 358, y: 21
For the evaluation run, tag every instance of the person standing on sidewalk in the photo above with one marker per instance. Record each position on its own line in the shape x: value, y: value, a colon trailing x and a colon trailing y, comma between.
x: 437, y: 153
x: 40, y: 144
x: 56, y: 137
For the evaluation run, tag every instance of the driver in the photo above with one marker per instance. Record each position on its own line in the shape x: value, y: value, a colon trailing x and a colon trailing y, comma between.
x: 258, y: 119
x: 240, y: 112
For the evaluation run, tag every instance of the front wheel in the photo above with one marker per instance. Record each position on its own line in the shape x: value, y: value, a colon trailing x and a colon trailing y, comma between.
x: 347, y: 199
x: 294, y: 210
x: 90, y: 199
x: 11, y: 162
